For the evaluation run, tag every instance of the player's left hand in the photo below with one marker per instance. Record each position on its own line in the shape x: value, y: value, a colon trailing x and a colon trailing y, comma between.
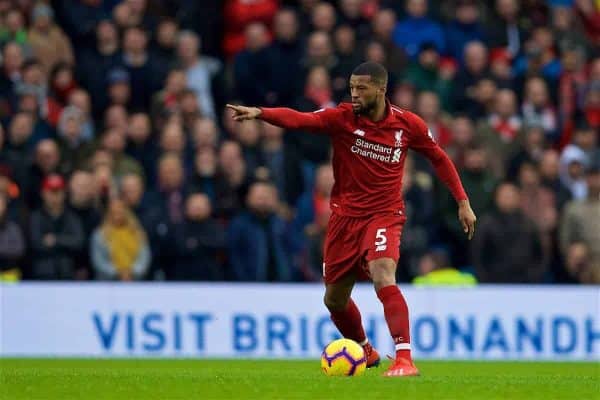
x: 467, y: 218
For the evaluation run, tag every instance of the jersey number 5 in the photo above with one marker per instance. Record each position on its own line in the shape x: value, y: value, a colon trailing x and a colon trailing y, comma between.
x: 380, y: 240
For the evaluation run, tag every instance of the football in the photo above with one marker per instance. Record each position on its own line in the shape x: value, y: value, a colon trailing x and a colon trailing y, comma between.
x: 343, y: 357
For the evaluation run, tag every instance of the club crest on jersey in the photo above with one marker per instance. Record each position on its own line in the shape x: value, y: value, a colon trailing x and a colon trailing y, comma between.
x: 398, y: 141
x: 359, y: 132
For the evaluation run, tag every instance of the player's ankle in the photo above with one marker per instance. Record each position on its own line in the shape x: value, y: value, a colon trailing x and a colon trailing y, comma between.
x: 404, y: 354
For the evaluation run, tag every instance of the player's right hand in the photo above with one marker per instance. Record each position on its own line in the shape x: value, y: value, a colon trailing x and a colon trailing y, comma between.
x: 241, y: 113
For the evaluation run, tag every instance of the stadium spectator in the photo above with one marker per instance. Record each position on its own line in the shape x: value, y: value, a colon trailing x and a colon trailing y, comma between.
x: 47, y: 161
x: 170, y: 190
x: 475, y: 69
x: 323, y: 18
x: 56, y: 235
x: 581, y: 221
x: 144, y: 71
x: 204, y: 176
x: 248, y: 136
x: 351, y: 14
x: 81, y: 99
x: 70, y: 138
x: 119, y: 247
x: 96, y: 61
x: 540, y: 57
x: 166, y: 101
x: 578, y: 266
x: 12, y: 244
x: 419, y: 207
x: 113, y: 141
x: 502, y: 131
x: 317, y: 95
x: 463, y: 133
x: 539, y: 205
x: 282, y: 164
x: 48, y: 42
x: 573, y: 162
x: 118, y: 87
x: 205, y: 134
x: 13, y: 29
x: 12, y: 61
x: 417, y: 28
x: 239, y: 14
x: 252, y: 68
x: 199, y: 241
x: 11, y: 160
x: 464, y: 28
x: 529, y: 148
x: 165, y: 44
x: 232, y: 180
x: 382, y: 25
x: 428, y: 108
x: 319, y: 52
x: 537, y: 108
x: 347, y: 54
x: 507, y: 248
x: 79, y: 18
x: 140, y: 145
x: 549, y: 166
x: 507, y: 30
x: 201, y: 71
x: 83, y: 201
x: 131, y: 190
x: 259, y: 248
x: 172, y: 140
x: 11, y: 190
x: 480, y: 183
x: 312, y: 213
x: 435, y: 270
x: 425, y: 74
x: 285, y: 51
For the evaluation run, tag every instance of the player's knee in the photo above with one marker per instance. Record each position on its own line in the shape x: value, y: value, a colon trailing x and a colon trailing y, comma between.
x: 335, y: 303
x: 383, y: 273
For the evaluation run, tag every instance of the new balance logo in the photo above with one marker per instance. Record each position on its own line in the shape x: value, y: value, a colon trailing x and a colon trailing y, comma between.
x: 381, y: 248
x: 396, y: 156
x: 359, y: 132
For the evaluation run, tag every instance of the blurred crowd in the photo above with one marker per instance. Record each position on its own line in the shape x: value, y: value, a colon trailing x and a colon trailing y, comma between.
x: 118, y: 160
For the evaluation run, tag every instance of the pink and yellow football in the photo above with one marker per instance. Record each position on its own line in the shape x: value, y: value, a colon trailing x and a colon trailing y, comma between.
x: 343, y: 357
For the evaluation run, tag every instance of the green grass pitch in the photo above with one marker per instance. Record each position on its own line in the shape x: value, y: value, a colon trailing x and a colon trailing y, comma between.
x: 265, y: 379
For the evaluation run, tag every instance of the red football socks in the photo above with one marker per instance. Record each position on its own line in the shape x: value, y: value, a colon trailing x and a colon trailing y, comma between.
x: 396, y: 315
x: 349, y: 322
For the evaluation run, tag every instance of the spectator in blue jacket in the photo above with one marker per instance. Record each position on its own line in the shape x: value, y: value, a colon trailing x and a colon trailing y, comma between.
x: 258, y: 239
x: 417, y: 29
x: 465, y: 28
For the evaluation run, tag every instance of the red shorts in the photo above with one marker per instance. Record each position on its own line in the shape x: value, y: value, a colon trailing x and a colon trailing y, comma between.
x: 352, y: 242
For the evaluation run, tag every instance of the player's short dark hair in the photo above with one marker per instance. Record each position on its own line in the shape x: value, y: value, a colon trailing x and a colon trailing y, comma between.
x: 376, y: 71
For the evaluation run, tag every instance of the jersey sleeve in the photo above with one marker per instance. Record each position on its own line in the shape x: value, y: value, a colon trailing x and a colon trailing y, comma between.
x: 421, y: 140
x: 324, y: 120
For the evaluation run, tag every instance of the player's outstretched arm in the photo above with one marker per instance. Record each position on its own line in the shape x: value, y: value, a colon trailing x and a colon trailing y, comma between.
x: 318, y: 121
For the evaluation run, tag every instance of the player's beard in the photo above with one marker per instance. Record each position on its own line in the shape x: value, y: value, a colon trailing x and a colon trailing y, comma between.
x: 366, y: 108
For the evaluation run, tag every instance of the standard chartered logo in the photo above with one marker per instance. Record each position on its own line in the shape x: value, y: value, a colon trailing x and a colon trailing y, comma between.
x: 376, y: 151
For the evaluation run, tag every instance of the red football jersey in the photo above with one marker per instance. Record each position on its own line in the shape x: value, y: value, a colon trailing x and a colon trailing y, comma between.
x: 368, y: 157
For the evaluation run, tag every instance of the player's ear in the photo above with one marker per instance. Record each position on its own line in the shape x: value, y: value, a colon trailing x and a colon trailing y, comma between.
x: 383, y: 88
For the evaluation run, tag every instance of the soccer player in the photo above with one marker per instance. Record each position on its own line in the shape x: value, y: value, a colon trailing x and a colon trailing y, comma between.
x: 370, y: 139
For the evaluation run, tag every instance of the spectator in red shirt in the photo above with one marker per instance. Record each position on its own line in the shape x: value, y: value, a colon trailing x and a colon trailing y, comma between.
x: 241, y: 13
